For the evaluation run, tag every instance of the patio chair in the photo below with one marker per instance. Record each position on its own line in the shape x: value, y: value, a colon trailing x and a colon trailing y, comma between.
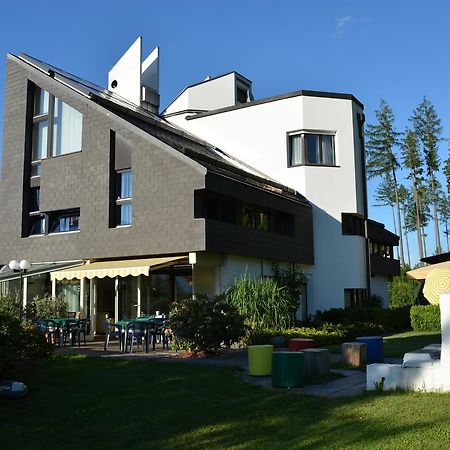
x: 110, y: 330
x: 78, y: 329
x: 137, y: 332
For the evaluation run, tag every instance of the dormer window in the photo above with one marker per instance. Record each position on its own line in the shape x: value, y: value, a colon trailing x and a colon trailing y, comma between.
x: 241, y: 95
x: 57, y: 128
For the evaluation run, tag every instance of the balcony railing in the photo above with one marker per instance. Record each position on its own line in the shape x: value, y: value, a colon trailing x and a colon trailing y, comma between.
x: 384, y: 266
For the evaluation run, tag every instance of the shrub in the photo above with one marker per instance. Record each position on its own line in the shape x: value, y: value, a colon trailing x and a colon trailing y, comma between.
x: 10, y: 306
x: 404, y: 292
x: 205, y: 324
x: 20, y: 342
x: 49, y: 307
x: 263, y: 302
x: 388, y: 319
x: 426, y: 318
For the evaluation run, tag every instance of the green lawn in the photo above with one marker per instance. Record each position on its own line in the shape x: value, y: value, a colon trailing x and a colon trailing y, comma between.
x: 397, y: 345
x: 90, y: 403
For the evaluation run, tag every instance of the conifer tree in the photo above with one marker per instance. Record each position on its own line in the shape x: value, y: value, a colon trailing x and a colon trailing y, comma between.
x: 428, y: 128
x: 412, y: 160
x: 382, y: 139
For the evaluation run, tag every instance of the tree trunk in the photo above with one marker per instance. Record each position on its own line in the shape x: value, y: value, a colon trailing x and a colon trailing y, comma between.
x: 395, y: 227
x: 418, y: 224
x: 424, y: 243
x: 400, y: 231
x: 407, y: 242
x: 435, y: 216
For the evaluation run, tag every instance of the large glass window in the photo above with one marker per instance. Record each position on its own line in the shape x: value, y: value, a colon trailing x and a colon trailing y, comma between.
x: 311, y: 149
x: 128, y: 298
x: 124, y: 195
x: 69, y: 290
x: 57, y: 128
x: 38, y: 286
x: 66, y: 220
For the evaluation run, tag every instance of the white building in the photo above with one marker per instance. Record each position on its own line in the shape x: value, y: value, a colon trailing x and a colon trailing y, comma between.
x: 312, y: 142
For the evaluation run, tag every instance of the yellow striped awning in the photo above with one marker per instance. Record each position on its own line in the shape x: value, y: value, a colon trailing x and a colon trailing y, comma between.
x: 112, y: 269
x: 422, y: 272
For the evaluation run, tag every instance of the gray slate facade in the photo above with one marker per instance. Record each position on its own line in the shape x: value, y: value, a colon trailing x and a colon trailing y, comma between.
x: 164, y: 183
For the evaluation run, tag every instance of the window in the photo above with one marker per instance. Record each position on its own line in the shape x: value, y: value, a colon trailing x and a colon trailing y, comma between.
x: 311, y: 149
x: 229, y: 210
x: 63, y: 221
x: 355, y: 298
x: 57, y: 128
x: 352, y: 224
x: 37, y: 220
x: 383, y: 250
x: 124, y: 194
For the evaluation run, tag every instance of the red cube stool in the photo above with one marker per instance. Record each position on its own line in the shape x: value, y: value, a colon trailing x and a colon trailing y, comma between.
x: 298, y: 344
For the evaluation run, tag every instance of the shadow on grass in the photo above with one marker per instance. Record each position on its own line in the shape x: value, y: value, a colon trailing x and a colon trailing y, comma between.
x: 397, y: 345
x: 151, y: 404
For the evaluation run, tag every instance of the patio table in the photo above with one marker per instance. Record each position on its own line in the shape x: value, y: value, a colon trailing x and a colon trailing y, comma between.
x: 62, y: 323
x: 151, y: 325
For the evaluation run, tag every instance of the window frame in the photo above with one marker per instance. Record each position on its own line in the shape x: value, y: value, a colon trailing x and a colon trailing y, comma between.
x: 48, y: 117
x: 304, y: 149
x: 121, y: 201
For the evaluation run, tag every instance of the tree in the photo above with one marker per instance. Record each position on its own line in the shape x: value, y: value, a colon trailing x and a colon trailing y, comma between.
x: 444, y: 215
x: 413, y: 161
x: 428, y: 128
x: 382, y: 139
x: 403, y: 199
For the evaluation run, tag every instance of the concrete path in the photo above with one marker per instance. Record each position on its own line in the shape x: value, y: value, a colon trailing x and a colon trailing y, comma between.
x: 351, y: 383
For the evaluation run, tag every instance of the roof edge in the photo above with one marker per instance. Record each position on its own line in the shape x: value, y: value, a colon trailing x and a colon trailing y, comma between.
x: 301, y: 93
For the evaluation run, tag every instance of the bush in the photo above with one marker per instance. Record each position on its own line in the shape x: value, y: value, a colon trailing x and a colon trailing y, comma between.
x: 388, y: 319
x: 49, y: 307
x: 325, y: 335
x: 404, y: 292
x: 205, y: 324
x: 263, y: 302
x: 20, y: 342
x: 10, y: 306
x: 426, y: 318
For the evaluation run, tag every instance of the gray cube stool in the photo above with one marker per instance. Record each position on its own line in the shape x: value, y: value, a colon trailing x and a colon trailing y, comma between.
x: 317, y: 363
x: 354, y: 353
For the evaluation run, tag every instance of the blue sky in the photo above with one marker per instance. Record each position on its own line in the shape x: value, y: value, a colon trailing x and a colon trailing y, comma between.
x: 380, y: 49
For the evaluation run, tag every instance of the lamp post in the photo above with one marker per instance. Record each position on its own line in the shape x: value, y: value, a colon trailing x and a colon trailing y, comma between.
x: 21, y: 267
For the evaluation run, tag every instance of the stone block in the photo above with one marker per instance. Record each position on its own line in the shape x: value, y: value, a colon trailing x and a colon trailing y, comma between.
x: 354, y: 353
x: 317, y: 363
x: 298, y: 344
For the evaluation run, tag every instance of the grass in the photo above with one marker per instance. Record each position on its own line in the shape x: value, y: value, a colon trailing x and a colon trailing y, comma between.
x: 396, y: 345
x: 98, y: 403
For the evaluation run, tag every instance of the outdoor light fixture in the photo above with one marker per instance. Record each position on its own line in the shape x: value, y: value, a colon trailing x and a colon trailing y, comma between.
x: 21, y: 267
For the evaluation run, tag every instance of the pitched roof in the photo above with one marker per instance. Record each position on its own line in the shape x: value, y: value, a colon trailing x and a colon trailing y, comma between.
x: 213, y: 159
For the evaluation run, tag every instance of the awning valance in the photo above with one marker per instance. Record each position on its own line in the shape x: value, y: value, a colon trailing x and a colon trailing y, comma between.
x: 112, y: 269
x: 422, y: 272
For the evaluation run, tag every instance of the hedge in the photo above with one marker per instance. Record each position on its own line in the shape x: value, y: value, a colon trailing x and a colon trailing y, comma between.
x: 325, y: 335
x: 426, y: 318
x: 389, y: 319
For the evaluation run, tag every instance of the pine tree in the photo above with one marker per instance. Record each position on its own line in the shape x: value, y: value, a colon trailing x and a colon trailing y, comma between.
x: 444, y: 215
x: 382, y: 139
x: 403, y: 198
x: 412, y: 160
x: 428, y: 128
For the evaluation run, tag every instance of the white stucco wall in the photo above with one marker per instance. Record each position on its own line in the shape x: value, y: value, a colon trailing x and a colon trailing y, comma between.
x: 257, y: 135
x: 379, y: 286
x: 216, y: 93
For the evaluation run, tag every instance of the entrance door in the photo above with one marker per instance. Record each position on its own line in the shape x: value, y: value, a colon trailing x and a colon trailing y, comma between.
x: 105, y: 301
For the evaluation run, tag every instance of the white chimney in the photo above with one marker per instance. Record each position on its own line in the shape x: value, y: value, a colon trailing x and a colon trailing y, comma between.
x: 137, y: 81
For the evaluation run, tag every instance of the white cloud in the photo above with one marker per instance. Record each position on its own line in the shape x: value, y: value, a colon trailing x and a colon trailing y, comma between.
x: 341, y: 23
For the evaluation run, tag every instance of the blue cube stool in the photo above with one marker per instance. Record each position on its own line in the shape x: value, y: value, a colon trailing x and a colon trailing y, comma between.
x: 374, y: 345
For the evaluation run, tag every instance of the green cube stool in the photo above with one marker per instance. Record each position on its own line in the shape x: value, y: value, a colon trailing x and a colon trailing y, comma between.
x: 260, y: 360
x: 288, y: 369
